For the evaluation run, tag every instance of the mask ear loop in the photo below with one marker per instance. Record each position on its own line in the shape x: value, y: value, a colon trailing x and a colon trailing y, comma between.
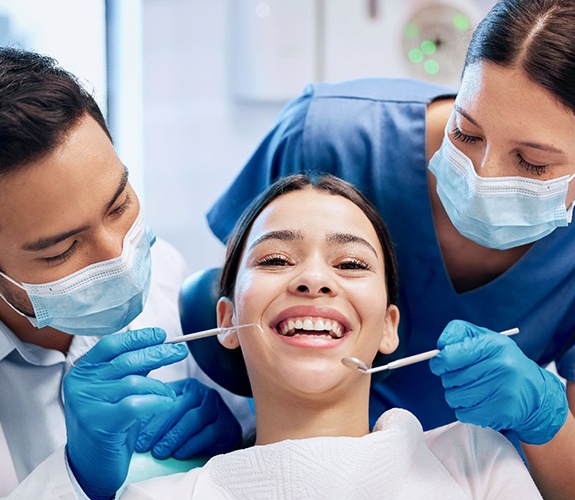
x: 14, y: 282
x: 32, y: 319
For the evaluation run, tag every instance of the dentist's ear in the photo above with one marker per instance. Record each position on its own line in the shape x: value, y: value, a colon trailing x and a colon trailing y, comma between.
x: 390, y: 338
x: 225, y: 313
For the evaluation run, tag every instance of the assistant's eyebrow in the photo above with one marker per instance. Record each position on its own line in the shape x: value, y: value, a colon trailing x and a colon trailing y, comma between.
x: 283, y: 235
x: 534, y: 145
x: 542, y: 147
x: 48, y: 241
x: 467, y: 116
x: 349, y: 238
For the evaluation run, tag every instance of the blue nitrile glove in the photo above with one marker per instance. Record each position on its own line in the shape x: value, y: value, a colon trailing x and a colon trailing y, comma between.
x: 200, y: 423
x: 490, y: 382
x: 106, y: 397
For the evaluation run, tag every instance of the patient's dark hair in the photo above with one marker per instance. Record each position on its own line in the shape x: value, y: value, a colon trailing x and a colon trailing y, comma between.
x: 322, y: 183
x: 39, y: 104
x: 534, y: 35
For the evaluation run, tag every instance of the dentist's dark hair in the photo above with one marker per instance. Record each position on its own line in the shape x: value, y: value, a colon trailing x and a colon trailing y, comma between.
x: 322, y: 183
x: 534, y: 35
x: 40, y: 103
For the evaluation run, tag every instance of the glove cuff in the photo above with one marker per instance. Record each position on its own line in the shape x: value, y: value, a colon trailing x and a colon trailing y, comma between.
x: 544, y: 423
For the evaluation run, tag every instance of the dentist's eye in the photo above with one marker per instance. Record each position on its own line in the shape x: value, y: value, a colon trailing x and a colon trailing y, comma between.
x: 274, y: 260
x: 351, y: 264
x: 56, y: 259
x: 458, y: 135
x: 120, y: 210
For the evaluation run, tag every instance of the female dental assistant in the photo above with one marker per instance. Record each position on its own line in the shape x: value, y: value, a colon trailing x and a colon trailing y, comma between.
x: 477, y: 193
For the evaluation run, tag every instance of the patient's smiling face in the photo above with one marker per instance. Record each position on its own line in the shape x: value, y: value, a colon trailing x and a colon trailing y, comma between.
x: 312, y: 274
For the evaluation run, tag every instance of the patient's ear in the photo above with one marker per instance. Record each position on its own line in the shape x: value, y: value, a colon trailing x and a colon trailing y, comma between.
x: 390, y: 338
x: 225, y: 312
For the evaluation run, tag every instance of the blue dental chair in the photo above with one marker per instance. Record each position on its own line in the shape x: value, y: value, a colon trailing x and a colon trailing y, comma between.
x: 199, y: 295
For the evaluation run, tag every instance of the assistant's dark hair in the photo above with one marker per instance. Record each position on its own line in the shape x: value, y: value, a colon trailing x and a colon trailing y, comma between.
x: 535, y: 35
x: 39, y: 104
x: 323, y: 183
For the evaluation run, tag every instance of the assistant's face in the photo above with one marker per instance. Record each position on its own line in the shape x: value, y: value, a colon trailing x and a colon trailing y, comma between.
x: 510, y: 126
x: 312, y: 275
x: 64, y: 212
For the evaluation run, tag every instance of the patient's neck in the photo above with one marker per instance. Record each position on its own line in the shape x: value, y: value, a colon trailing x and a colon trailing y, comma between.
x: 281, y: 416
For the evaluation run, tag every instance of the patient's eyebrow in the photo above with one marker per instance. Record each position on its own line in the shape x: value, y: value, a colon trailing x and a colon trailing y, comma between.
x: 283, y: 235
x: 349, y: 238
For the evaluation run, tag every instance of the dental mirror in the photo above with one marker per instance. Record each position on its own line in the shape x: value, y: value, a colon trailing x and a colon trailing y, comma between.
x: 358, y: 364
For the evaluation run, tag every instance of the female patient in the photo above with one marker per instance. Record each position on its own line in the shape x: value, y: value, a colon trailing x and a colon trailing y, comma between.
x: 312, y: 263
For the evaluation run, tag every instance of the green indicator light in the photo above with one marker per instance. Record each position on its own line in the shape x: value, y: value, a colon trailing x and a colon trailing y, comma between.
x: 411, y: 31
x: 431, y: 66
x: 461, y: 22
x: 427, y: 47
x: 415, y: 55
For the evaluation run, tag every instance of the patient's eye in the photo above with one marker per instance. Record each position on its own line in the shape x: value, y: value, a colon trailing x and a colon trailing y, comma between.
x: 353, y: 263
x: 275, y: 260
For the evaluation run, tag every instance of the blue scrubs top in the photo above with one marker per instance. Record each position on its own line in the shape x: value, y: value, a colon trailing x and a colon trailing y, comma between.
x: 371, y: 132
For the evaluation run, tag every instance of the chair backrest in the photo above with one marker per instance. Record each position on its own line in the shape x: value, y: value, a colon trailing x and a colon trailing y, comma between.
x: 197, y: 302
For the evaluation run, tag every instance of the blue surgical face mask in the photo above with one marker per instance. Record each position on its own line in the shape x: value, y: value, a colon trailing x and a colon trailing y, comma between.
x: 497, y: 212
x: 100, y: 299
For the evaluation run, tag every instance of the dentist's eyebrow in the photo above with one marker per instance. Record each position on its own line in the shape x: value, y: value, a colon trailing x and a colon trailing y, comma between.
x: 283, y: 235
x: 120, y: 190
x: 48, y: 241
x: 343, y: 238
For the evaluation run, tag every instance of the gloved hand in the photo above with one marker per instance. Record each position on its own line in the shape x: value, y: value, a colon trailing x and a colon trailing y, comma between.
x: 198, y: 423
x: 490, y: 382
x: 106, y: 397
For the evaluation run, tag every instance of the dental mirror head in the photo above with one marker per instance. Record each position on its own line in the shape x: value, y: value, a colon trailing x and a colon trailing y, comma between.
x: 355, y: 363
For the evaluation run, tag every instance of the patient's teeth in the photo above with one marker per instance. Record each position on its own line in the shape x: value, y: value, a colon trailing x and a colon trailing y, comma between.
x: 329, y: 327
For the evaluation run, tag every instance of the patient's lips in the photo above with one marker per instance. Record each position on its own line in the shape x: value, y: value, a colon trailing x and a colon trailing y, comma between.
x: 309, y: 325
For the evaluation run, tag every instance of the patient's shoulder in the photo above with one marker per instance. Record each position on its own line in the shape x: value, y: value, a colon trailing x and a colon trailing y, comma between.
x: 481, y: 460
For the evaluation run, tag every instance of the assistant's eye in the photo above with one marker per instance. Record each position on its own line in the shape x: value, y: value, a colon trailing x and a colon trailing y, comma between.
x: 274, y: 260
x: 57, y: 259
x: 458, y: 135
x: 531, y: 167
x: 352, y: 264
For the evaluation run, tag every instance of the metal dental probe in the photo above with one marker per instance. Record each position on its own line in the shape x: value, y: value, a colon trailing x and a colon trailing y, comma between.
x: 209, y: 333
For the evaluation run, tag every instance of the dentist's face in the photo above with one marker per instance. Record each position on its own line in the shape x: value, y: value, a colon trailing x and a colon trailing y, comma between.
x: 312, y: 274
x: 70, y: 209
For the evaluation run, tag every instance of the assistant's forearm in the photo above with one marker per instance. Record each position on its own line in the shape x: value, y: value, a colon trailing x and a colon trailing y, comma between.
x: 552, y: 465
